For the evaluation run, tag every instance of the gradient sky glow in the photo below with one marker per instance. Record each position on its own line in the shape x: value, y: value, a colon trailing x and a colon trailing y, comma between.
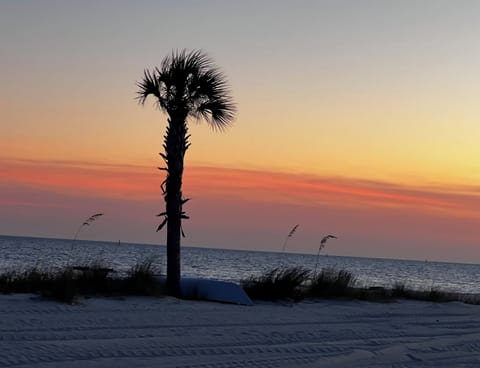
x: 359, y: 118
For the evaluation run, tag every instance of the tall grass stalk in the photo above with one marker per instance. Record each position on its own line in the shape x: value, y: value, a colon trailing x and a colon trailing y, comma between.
x: 87, y: 222
x: 290, y: 234
x: 322, y: 245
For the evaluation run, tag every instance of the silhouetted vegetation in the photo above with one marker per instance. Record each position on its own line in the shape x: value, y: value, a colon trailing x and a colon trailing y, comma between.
x: 330, y: 283
x: 295, y: 283
x: 71, y: 283
x: 289, y: 235
x: 141, y: 281
x: 278, y: 283
x: 433, y: 294
x: 322, y: 245
x: 186, y: 85
x: 87, y: 222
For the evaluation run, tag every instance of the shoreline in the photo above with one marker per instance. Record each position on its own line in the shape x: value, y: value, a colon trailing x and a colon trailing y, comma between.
x: 226, y: 265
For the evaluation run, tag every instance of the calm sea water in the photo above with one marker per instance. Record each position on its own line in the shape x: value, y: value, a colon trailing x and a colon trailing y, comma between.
x: 233, y: 265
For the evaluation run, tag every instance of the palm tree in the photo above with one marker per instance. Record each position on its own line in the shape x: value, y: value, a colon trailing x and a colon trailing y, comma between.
x: 186, y: 85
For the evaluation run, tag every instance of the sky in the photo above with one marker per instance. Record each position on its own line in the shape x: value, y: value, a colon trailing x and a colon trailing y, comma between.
x: 355, y: 118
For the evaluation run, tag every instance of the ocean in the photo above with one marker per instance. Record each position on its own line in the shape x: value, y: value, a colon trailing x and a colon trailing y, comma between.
x: 233, y: 265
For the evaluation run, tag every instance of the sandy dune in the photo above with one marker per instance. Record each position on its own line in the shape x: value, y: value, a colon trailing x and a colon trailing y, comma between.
x: 146, y: 332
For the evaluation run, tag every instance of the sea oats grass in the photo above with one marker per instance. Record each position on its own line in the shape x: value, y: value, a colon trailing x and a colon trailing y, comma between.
x: 296, y: 283
x: 278, y: 283
x: 70, y: 283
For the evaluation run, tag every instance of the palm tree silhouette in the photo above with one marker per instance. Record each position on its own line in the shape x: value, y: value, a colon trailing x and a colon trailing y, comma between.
x: 186, y: 85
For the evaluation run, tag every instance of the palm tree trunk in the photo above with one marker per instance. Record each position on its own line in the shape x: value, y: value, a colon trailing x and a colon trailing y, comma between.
x: 173, y: 254
x: 175, y: 144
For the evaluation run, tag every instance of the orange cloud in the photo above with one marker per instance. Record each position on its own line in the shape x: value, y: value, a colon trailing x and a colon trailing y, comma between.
x: 343, y: 192
x: 244, y: 209
x: 142, y: 183
x: 83, y: 178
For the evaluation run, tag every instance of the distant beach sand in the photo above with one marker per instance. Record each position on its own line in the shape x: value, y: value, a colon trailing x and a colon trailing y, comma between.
x: 166, y: 332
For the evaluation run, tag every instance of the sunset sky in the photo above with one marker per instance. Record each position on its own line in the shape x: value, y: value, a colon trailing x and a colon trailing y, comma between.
x: 357, y: 118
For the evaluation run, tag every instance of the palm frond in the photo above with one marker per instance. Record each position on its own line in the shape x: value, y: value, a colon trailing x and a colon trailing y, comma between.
x: 219, y: 113
x: 148, y: 86
x: 213, y: 101
x: 190, y: 82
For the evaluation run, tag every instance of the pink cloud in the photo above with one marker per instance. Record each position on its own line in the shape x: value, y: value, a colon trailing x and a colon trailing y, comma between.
x: 143, y: 183
x: 246, y: 209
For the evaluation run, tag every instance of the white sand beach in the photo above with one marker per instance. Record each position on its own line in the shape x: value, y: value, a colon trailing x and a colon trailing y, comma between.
x: 167, y: 332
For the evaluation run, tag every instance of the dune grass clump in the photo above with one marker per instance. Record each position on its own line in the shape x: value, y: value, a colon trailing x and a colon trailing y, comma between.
x: 331, y: 283
x: 141, y: 279
x: 277, y: 283
x: 400, y: 290
x: 23, y: 281
x: 63, y: 284
x: 91, y: 278
x: 49, y: 283
x: 72, y: 282
x: 297, y: 283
